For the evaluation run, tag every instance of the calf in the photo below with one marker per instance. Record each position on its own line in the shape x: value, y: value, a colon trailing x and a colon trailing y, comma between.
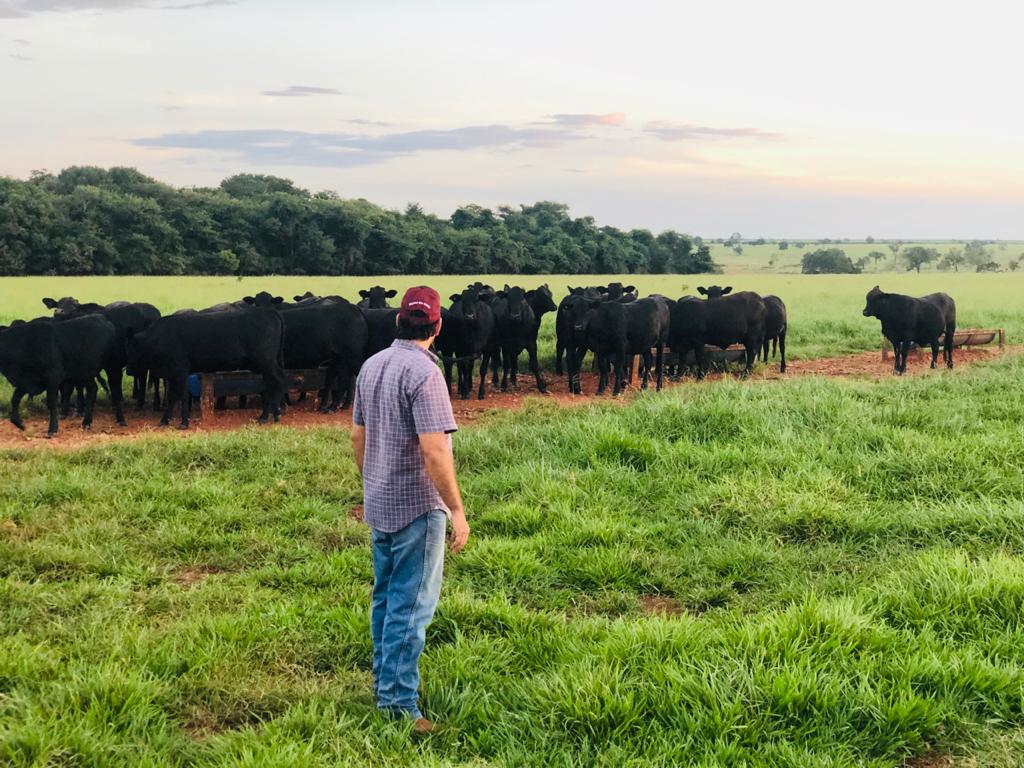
x: 775, y: 326
x: 515, y: 329
x: 211, y: 342
x: 376, y: 297
x: 466, y: 334
x: 906, y: 320
x: 616, y: 330
x: 719, y: 322
x: 41, y: 355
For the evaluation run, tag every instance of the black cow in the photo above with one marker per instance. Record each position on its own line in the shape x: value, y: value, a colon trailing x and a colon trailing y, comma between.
x: 376, y: 298
x: 515, y: 329
x: 44, y: 354
x: 466, y: 332
x: 326, y: 333
x: 615, y: 330
x: 210, y: 342
x: 128, y: 319
x: 775, y: 326
x: 720, y: 322
x: 906, y: 321
x: 567, y: 337
x: 382, y: 328
x: 619, y: 292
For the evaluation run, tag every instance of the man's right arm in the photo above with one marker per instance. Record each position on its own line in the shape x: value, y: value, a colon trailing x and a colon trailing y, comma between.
x: 441, y: 467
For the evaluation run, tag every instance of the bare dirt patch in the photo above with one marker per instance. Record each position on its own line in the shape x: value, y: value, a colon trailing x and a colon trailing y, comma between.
x: 192, y: 575
x: 929, y: 761
x: 356, y: 513
x: 143, y: 423
x: 660, y: 605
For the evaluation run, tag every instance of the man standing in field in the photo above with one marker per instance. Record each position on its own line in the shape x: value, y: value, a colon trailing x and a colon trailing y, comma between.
x: 402, y: 424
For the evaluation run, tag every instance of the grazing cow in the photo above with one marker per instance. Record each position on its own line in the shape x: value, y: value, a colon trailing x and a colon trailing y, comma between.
x: 906, y: 321
x: 326, y: 333
x: 44, y: 354
x: 775, y: 327
x: 720, y: 322
x: 515, y: 329
x: 210, y: 342
x: 615, y: 330
x: 128, y: 318
x: 376, y: 298
x: 466, y: 332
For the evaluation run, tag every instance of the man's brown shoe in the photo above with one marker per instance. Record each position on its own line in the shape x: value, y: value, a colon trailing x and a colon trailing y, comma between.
x: 422, y: 725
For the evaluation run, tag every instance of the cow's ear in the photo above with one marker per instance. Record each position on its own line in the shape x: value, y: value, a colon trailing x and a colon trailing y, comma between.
x: 391, y: 294
x: 365, y: 294
x: 454, y: 297
x: 278, y: 299
x: 702, y: 290
x: 629, y: 289
x: 248, y: 299
x: 727, y: 289
x: 50, y: 303
x: 506, y: 289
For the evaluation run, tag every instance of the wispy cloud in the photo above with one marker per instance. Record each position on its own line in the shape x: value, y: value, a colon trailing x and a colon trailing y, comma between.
x: 342, y: 150
x: 21, y: 41
x: 362, y: 121
x: 15, y: 9
x: 579, y: 120
x: 19, y: 57
x: 303, y: 90
x: 668, y: 131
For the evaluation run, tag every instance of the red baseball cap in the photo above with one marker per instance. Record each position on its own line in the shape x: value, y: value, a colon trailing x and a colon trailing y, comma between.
x: 421, y: 305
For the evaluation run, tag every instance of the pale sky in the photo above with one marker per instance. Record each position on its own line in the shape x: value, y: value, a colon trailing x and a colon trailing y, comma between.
x: 776, y: 119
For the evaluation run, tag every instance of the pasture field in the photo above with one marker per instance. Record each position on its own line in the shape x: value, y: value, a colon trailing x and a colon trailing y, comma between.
x: 768, y: 258
x: 805, y: 573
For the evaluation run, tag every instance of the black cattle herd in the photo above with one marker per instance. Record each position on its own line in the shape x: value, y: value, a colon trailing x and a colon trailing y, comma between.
x: 84, y: 346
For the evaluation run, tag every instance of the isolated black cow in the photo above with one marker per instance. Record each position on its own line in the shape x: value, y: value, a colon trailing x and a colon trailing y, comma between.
x: 128, y: 319
x: 376, y: 297
x: 44, y: 354
x: 210, y: 342
x: 906, y: 321
x: 775, y: 326
x: 719, y: 322
x: 466, y: 332
x: 515, y: 330
x: 327, y: 333
x: 615, y: 330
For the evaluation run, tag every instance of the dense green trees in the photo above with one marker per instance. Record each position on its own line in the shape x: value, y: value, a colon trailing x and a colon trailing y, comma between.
x: 88, y: 220
x: 828, y: 261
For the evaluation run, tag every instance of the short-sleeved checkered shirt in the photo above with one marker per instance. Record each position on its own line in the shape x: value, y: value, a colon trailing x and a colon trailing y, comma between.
x: 400, y: 394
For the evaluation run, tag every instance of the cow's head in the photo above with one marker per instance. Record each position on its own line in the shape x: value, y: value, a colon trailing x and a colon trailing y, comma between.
x: 579, y: 309
x: 714, y: 291
x: 542, y: 299
x: 470, y: 301
x: 66, y: 306
x: 515, y: 298
x: 873, y: 302
x: 377, y: 297
x: 616, y: 291
x: 307, y: 296
x: 263, y: 299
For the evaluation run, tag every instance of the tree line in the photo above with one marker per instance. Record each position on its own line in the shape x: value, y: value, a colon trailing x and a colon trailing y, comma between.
x: 975, y: 254
x: 117, y: 221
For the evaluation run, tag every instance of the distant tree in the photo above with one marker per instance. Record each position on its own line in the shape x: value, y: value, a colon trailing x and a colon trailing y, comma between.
x: 990, y: 266
x: 952, y: 259
x: 759, y: 241
x: 800, y: 245
x: 737, y: 249
x: 895, y: 248
x: 977, y: 253
x: 828, y: 261
x: 783, y: 245
x: 869, y: 239
x: 1014, y: 264
x: 876, y: 256
x: 862, y: 263
x: 734, y: 239
x: 917, y: 255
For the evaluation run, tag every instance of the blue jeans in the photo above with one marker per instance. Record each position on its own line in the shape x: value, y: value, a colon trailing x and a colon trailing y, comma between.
x: 407, y: 566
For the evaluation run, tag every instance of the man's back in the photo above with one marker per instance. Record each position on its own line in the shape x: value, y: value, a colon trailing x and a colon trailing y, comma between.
x: 400, y: 394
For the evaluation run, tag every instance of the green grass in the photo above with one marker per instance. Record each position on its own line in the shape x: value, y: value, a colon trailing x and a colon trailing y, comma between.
x: 845, y: 557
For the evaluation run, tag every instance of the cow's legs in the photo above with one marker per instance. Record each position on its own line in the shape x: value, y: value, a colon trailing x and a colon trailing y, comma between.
x: 485, y: 359
x: 496, y: 358
x: 114, y: 380
x: 782, y: 352
x: 602, y: 366
x: 90, y: 402
x: 935, y: 353
x: 448, y: 362
x: 169, y: 400
x: 531, y: 350
x: 950, y: 331
x: 659, y: 365
x: 67, y: 389
x: 156, y: 391
x: 618, y: 360
x: 764, y: 349
x: 648, y: 359
x: 15, y: 404
x: 506, y: 366
x: 273, y: 393
x: 559, y: 351
x: 181, y: 388
x: 52, y: 394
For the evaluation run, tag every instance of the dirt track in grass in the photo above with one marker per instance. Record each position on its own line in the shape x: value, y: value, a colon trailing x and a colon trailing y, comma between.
x: 143, y: 423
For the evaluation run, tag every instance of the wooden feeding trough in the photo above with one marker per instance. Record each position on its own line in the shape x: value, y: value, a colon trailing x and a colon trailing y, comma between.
x: 238, y: 383
x: 968, y: 337
x: 716, y: 357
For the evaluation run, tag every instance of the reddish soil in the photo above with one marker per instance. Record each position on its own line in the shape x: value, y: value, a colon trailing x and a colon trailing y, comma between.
x: 929, y: 761
x: 192, y: 575
x: 660, y: 605
x: 303, y: 415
